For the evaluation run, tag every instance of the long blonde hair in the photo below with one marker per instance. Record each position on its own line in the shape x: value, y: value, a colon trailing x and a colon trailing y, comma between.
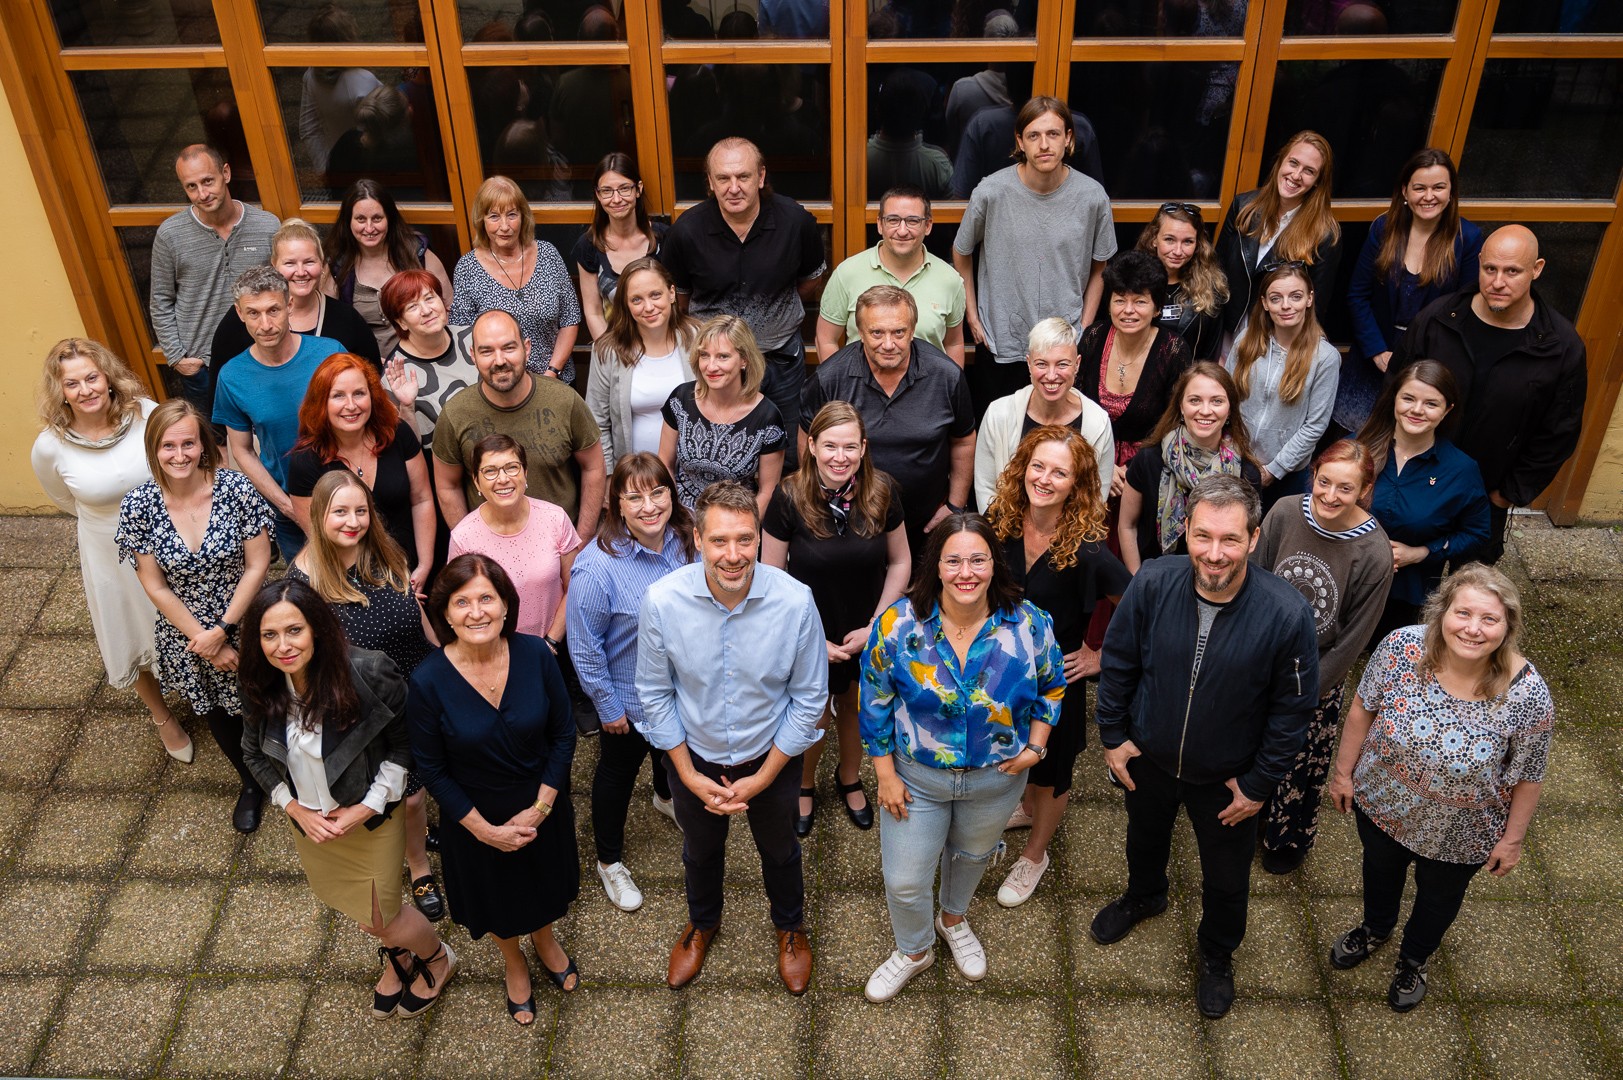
x: 1313, y: 221
x: 1259, y: 330
x: 124, y: 390
x: 378, y: 562
x: 1496, y: 680
x: 1203, y: 280
x: 1082, y: 518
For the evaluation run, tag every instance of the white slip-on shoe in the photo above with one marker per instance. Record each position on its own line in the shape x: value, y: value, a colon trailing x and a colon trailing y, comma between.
x: 967, y: 954
x: 889, y: 978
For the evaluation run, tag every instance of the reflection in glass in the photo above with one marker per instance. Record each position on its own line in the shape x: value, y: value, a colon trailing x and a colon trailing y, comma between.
x: 1375, y: 113
x: 137, y: 244
x: 918, y: 115
x: 951, y: 19
x: 538, y: 20
x: 1545, y: 129
x: 139, y: 120
x: 1160, y: 18
x: 1162, y: 127
x: 325, y: 22
x: 744, y: 20
x: 782, y: 108
x: 101, y: 23
x: 1559, y: 17
x: 348, y: 124
x: 547, y: 127
x: 1362, y: 18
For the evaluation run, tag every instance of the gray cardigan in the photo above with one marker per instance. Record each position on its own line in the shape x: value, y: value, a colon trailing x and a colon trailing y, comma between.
x: 1283, y: 435
x: 608, y: 395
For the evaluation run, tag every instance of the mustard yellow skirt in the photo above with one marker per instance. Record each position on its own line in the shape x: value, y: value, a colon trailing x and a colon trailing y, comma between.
x: 344, y: 873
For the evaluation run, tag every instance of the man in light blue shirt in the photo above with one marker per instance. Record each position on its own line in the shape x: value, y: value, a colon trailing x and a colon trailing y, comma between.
x: 732, y: 672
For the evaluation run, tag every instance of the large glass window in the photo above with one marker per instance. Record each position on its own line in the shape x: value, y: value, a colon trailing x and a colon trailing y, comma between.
x: 942, y: 19
x: 1557, y: 17
x: 1545, y: 129
x: 346, y: 124
x: 1367, y: 17
x: 104, y: 23
x: 327, y: 23
x: 1162, y: 128
x: 491, y: 21
x: 1152, y: 18
x: 547, y: 127
x: 782, y: 108
x: 925, y: 120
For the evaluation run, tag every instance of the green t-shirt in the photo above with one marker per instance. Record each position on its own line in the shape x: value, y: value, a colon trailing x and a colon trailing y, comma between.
x: 936, y: 288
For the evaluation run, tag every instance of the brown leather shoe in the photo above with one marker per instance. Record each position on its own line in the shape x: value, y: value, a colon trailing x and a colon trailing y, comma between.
x: 794, y: 960
x: 687, y: 958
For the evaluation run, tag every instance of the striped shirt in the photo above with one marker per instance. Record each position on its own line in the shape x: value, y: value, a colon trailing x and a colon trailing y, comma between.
x: 192, y: 274
x: 605, y: 595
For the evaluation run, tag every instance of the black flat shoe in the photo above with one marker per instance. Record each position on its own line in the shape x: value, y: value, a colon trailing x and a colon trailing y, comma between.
x: 862, y: 819
x: 245, y: 816
x: 425, y: 893
x: 516, y: 1007
x: 559, y: 978
x: 431, y: 842
x: 384, y: 1005
x: 803, y: 823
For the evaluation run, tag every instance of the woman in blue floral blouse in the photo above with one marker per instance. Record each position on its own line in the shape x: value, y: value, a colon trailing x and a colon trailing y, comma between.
x: 961, y: 688
x: 1442, y: 759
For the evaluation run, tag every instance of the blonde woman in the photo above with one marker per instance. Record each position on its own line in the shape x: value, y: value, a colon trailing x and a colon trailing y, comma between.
x: 1197, y: 288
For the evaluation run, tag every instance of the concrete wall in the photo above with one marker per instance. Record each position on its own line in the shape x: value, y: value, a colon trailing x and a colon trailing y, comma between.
x: 1603, y: 499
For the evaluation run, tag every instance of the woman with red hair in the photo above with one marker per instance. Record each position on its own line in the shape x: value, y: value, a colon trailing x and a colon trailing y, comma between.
x: 348, y: 422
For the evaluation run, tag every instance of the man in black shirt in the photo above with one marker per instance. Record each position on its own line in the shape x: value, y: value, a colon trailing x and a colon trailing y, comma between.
x: 1520, y: 370
x: 914, y: 403
x: 755, y: 254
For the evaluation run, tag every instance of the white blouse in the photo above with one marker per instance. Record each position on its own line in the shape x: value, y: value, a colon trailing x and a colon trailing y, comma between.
x: 309, y: 774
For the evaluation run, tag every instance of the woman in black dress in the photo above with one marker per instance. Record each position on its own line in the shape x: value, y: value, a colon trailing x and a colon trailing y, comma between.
x: 1051, y: 520
x: 361, y: 572
x: 493, y: 738
x: 836, y: 525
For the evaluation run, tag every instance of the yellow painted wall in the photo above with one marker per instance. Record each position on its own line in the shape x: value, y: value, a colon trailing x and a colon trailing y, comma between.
x: 37, y: 309
x: 1603, y: 499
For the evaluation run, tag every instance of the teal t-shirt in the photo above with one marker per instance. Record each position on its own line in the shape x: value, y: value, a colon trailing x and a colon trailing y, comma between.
x: 265, y: 400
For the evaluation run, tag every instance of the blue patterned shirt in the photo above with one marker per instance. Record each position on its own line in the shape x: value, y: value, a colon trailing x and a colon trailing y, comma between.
x: 917, y: 701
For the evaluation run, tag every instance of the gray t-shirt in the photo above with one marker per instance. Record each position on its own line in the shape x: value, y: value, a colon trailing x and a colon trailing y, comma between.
x: 1036, y: 252
x: 1207, y: 612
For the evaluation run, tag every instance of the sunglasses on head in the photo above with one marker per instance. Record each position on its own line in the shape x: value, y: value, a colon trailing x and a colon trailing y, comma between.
x: 1188, y: 208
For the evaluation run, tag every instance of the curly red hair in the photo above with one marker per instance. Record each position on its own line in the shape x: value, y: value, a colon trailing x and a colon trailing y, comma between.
x: 315, y: 430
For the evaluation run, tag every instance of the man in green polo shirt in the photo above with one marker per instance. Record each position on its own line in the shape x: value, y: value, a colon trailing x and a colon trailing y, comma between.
x: 898, y: 259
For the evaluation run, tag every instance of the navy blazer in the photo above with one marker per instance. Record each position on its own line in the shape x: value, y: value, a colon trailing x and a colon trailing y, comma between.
x: 1370, y: 302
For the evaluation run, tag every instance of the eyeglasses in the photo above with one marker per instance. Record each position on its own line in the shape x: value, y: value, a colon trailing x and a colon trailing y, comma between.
x: 891, y: 221
x: 954, y: 563
x: 653, y: 497
x: 1188, y: 208
x: 493, y: 472
x: 624, y: 191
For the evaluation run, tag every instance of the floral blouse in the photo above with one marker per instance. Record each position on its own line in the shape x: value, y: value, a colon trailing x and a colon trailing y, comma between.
x: 1436, y: 773
x: 916, y: 700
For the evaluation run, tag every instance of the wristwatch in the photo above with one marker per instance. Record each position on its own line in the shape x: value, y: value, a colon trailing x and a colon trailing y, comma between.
x: 951, y: 509
x: 228, y: 627
x: 1040, y: 751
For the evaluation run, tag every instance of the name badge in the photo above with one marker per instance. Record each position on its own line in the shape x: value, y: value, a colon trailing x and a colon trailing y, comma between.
x: 1171, y: 312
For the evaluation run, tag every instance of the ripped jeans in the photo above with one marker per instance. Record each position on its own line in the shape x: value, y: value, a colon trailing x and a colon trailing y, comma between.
x: 955, y: 821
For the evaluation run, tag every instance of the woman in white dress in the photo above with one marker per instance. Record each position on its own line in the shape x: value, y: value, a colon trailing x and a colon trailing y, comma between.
x: 89, y: 456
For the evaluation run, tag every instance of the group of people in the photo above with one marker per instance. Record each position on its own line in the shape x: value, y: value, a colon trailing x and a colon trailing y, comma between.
x: 1185, y: 494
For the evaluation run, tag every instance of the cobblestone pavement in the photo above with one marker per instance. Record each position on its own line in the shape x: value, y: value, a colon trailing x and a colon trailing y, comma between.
x: 140, y: 936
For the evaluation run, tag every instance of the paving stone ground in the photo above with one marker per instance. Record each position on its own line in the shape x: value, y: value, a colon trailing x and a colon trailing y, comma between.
x: 140, y: 936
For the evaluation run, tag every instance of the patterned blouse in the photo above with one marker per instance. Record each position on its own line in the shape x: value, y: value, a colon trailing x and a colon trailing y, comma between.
x: 545, y: 305
x: 1436, y: 772
x: 708, y: 452
x: 918, y: 702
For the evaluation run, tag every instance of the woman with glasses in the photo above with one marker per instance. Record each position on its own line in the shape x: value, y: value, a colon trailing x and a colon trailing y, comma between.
x: 646, y: 534
x: 534, y: 541
x: 1196, y: 287
x: 961, y: 689
x: 620, y: 233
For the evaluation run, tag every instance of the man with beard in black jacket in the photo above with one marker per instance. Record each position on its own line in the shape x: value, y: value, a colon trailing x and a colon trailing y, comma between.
x: 1210, y: 673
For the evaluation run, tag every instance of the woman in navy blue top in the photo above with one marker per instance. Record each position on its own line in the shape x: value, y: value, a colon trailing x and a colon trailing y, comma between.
x: 493, y: 738
x: 1417, y: 251
x: 1428, y: 493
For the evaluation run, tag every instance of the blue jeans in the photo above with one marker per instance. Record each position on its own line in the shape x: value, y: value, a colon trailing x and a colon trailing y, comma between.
x: 955, y: 821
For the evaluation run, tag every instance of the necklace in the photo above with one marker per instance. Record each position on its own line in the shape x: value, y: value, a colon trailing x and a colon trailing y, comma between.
x: 501, y: 264
x: 1123, y: 364
x: 959, y: 630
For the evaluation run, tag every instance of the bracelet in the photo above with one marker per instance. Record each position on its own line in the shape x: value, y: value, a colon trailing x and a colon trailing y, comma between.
x: 954, y: 509
x: 553, y: 643
x: 544, y: 808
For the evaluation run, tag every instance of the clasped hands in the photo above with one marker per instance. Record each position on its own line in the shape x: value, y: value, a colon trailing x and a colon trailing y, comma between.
x: 725, y: 797
x: 320, y: 827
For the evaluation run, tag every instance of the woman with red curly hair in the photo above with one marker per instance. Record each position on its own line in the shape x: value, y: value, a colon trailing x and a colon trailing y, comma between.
x: 1049, y: 513
x: 347, y: 421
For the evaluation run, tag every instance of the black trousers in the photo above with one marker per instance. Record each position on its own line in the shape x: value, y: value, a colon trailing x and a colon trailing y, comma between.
x: 619, y: 760
x: 1498, y: 519
x: 785, y: 376
x: 771, y: 817
x: 1225, y: 850
x: 990, y: 380
x: 1439, y: 890
x: 227, y: 731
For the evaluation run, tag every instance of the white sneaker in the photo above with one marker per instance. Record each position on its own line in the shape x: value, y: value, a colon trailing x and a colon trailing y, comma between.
x: 889, y: 978
x: 623, y: 892
x: 1020, y: 819
x: 666, y: 807
x: 1022, y: 881
x: 967, y: 954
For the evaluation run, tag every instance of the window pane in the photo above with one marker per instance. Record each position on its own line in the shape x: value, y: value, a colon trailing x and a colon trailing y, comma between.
x: 139, y: 121
x: 325, y: 22
x: 91, y: 23
x: 137, y: 244
x: 345, y: 124
x: 1545, y: 129
x: 538, y: 20
x: 1147, y: 18
x: 547, y: 127
x: 742, y: 20
x: 1568, y: 251
x: 917, y: 118
x: 1549, y: 17
x: 1375, y: 114
x: 939, y: 19
x: 1162, y: 127
x: 782, y: 108
x: 1366, y: 17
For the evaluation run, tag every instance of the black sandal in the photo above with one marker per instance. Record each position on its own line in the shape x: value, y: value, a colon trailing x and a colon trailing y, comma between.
x: 516, y: 1007
x: 559, y: 978
x: 410, y: 1004
x: 803, y: 822
x: 862, y: 819
x: 425, y: 893
x: 384, y: 1005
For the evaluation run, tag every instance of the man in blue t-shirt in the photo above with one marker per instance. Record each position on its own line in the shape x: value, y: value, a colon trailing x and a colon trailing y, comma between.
x: 259, y: 395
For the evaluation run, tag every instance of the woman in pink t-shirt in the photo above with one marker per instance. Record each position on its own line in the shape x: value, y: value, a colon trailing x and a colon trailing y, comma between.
x: 533, y: 540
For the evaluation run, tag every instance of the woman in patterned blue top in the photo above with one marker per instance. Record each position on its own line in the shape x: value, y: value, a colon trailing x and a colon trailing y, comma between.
x: 1443, y: 760
x: 961, y: 688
